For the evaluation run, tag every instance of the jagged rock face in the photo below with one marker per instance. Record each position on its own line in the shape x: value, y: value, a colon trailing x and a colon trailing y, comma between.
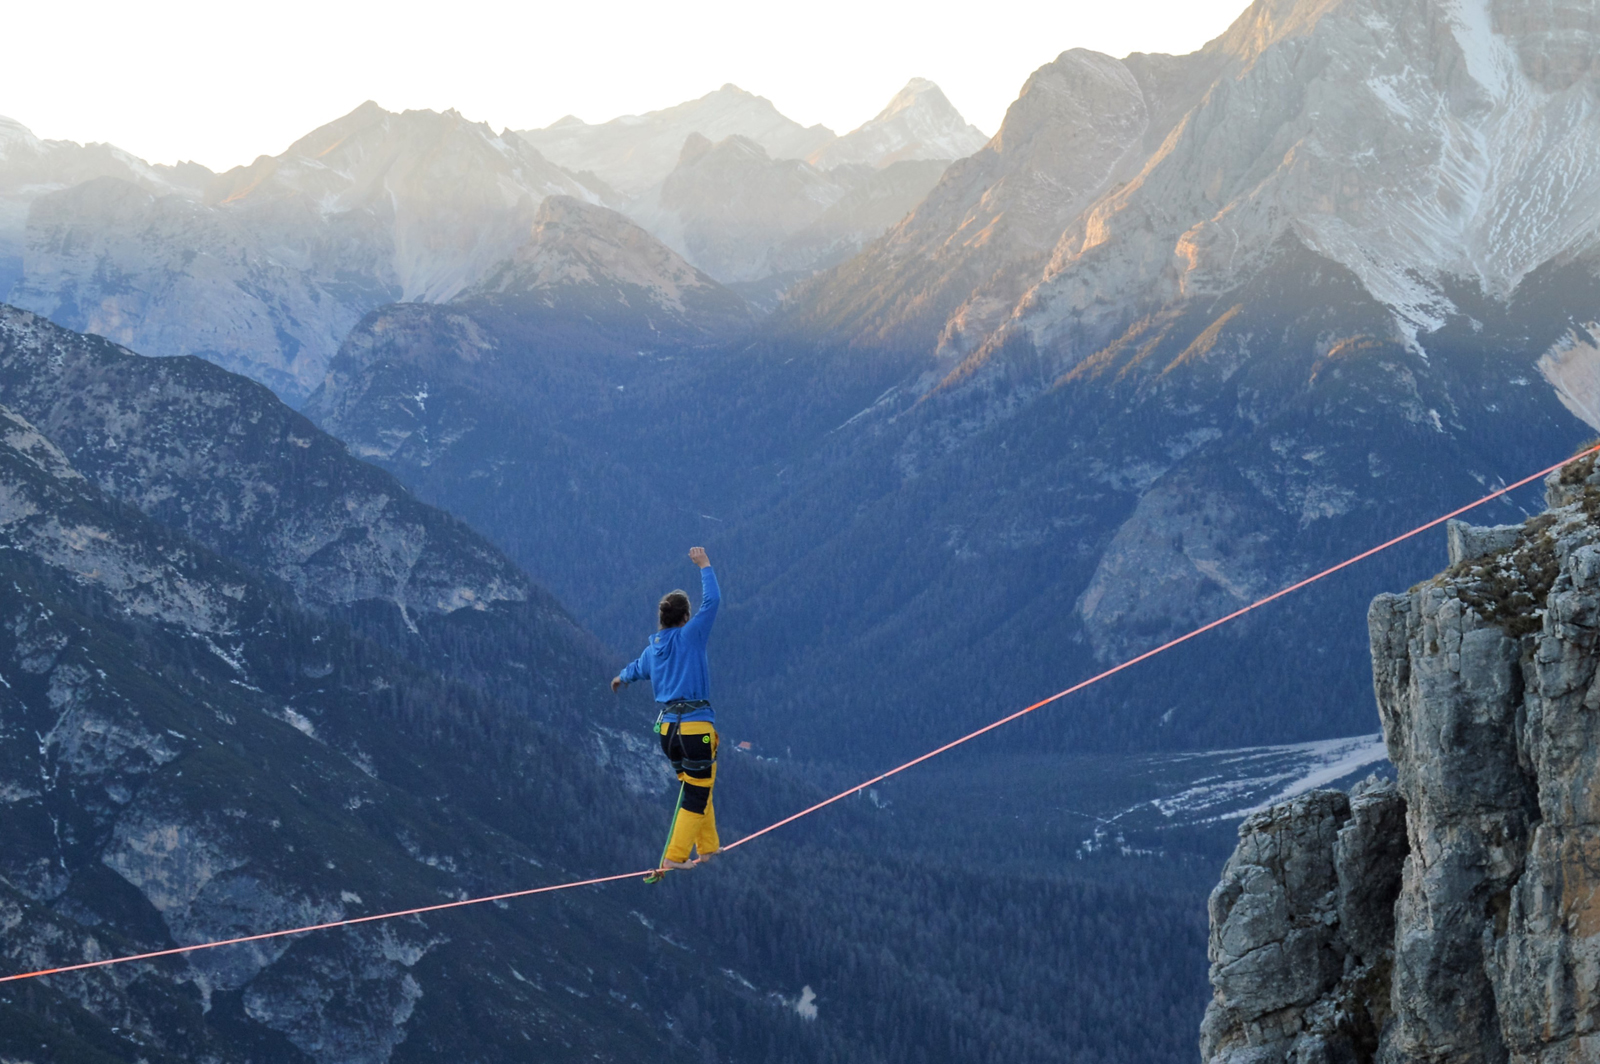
x: 271, y: 265
x: 1486, y: 683
x: 1485, y: 678
x: 918, y: 123
x: 1405, y: 140
x: 635, y: 152
x: 1302, y: 929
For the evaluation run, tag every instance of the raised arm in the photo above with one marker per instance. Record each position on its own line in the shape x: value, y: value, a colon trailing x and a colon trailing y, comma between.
x: 699, y: 626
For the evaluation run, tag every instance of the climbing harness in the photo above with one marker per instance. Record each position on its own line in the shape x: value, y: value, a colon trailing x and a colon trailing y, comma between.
x: 857, y: 789
x: 689, y: 754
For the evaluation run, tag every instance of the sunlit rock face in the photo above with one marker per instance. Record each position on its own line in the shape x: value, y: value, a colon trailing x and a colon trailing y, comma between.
x: 1411, y: 142
x: 635, y: 152
x: 1417, y: 143
x: 1452, y: 921
x: 269, y: 265
x: 972, y: 248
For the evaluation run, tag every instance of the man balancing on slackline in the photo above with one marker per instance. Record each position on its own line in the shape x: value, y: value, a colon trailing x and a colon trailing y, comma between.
x: 675, y: 665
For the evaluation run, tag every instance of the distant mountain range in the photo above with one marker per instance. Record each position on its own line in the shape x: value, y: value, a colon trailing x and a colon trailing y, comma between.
x: 634, y: 153
x: 1045, y: 421
x: 264, y: 269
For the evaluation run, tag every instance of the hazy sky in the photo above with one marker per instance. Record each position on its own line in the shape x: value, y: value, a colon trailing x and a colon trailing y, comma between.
x: 223, y: 83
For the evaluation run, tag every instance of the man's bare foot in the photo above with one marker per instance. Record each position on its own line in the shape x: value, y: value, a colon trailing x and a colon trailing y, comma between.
x: 680, y: 865
x: 705, y: 857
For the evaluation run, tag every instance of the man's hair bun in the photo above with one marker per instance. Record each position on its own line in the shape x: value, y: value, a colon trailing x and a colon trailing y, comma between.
x: 674, y: 608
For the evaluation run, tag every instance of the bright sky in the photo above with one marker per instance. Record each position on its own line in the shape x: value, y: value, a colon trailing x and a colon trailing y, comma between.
x: 223, y: 83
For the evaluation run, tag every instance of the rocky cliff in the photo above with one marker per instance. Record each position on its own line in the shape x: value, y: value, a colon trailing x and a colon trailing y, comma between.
x: 1453, y: 919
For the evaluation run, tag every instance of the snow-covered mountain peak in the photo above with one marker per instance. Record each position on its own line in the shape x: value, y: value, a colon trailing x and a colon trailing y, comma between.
x: 919, y: 122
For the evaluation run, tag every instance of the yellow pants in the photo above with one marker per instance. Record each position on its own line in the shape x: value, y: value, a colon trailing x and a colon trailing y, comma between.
x: 692, y: 748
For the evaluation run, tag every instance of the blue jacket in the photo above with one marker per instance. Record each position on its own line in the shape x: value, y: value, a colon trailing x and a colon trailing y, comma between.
x: 675, y: 661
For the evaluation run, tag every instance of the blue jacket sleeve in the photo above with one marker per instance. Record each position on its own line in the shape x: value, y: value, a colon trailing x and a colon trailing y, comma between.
x: 699, y: 626
x: 638, y: 669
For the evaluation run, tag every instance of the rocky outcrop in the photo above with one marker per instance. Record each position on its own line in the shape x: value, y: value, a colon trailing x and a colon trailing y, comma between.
x: 1302, y: 929
x: 1488, y: 952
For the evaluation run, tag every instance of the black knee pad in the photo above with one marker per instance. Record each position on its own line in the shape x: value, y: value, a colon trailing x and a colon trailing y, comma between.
x: 695, y: 799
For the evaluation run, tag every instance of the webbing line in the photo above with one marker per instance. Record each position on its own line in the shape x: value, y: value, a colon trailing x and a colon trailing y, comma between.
x: 858, y: 788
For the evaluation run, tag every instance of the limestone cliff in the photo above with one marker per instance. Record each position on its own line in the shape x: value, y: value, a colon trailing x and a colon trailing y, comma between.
x: 1488, y: 682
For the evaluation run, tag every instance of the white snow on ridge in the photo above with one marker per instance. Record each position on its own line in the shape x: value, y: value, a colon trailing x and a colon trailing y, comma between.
x: 1237, y: 783
x: 1328, y: 762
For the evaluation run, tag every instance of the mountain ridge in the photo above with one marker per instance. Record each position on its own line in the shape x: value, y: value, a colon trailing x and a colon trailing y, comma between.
x: 263, y: 269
